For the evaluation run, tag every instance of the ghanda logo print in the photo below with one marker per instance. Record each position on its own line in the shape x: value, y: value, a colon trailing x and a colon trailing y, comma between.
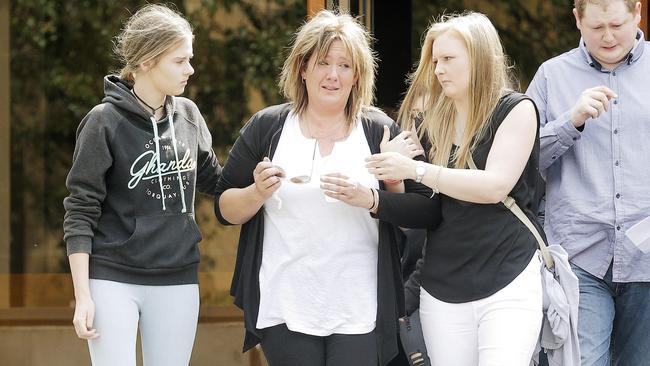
x: 145, y: 169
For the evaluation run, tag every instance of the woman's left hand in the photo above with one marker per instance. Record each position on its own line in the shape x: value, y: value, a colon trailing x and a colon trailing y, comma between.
x: 405, y: 143
x: 344, y: 189
x: 391, y: 165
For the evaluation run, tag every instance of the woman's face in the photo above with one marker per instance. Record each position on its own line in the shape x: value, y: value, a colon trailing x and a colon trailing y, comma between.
x: 451, y: 62
x: 170, y: 74
x: 330, y: 80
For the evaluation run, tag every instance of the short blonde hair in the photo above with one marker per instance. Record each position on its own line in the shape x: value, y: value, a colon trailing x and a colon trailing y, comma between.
x: 580, y: 5
x: 315, y: 37
x: 489, y: 80
x: 146, y: 36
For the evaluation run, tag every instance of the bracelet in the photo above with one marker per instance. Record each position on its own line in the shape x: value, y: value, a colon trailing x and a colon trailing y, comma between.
x: 434, y: 187
x: 392, y: 182
x: 374, y: 199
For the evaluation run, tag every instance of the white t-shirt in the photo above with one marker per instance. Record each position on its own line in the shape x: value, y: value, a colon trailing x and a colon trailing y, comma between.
x: 319, y: 261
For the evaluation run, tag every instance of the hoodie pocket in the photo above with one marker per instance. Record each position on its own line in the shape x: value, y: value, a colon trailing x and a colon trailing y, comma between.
x: 158, y: 242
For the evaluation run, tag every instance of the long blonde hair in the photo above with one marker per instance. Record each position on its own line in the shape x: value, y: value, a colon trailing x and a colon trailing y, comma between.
x: 489, y: 80
x: 315, y: 37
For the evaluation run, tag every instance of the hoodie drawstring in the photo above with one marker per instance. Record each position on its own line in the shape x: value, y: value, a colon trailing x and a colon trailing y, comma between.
x: 178, y: 171
x: 156, y: 139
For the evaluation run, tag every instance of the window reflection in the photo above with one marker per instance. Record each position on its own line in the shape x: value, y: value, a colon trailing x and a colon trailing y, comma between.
x: 58, y: 55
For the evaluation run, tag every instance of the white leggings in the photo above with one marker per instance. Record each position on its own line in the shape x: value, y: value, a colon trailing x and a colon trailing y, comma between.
x: 501, y: 329
x: 167, y: 317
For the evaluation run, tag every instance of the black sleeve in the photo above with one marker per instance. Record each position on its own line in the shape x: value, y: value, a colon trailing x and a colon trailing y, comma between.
x: 412, y: 288
x: 86, y: 182
x: 208, y: 168
x: 415, y: 209
x: 418, y: 208
x: 238, y: 170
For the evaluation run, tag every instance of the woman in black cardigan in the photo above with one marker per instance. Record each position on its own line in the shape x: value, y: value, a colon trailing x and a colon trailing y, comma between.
x: 317, y: 276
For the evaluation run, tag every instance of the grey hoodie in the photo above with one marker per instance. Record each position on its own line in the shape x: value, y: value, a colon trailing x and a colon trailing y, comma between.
x: 132, y: 187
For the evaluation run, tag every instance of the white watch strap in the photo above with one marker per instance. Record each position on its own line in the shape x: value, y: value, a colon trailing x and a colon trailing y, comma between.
x: 419, y: 171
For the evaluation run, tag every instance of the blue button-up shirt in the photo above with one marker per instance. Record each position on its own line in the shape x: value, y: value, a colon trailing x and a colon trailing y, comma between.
x: 598, y: 180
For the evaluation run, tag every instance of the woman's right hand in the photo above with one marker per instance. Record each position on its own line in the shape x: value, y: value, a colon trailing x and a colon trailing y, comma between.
x: 391, y: 165
x: 267, y: 178
x: 84, y: 315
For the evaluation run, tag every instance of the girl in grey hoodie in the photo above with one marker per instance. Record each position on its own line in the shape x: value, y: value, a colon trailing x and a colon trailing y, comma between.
x: 129, y: 225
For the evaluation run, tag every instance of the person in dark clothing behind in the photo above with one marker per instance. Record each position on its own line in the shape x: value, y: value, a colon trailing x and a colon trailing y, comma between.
x: 411, y: 245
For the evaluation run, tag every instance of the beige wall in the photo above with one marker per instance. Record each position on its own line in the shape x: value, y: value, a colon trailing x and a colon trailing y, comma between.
x: 4, y: 154
x: 217, y: 344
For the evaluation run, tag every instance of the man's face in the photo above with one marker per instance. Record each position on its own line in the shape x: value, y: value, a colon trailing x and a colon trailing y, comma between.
x: 608, y: 30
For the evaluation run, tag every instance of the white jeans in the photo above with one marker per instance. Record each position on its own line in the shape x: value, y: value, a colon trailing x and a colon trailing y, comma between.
x: 167, y: 317
x: 501, y: 329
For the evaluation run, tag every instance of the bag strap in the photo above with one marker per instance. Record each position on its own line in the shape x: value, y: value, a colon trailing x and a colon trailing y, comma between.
x: 511, y: 205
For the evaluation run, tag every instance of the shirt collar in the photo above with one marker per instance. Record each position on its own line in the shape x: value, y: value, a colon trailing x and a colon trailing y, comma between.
x: 631, y: 57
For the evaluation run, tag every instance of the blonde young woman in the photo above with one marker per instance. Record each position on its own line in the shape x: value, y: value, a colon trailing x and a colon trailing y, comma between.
x: 481, y: 296
x: 129, y: 223
x: 317, y: 276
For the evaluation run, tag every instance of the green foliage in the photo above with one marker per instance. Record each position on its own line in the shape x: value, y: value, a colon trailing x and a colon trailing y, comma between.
x: 532, y: 31
x: 60, y: 51
x: 232, y: 62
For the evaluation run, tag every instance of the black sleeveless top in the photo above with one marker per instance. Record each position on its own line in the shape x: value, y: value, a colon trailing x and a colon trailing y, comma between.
x: 478, y: 249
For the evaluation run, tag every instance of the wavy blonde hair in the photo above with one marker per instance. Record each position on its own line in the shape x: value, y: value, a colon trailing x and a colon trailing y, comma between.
x: 316, y: 37
x: 147, y: 35
x: 489, y: 80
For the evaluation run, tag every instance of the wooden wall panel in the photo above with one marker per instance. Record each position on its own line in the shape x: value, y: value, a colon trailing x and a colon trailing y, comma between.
x: 645, y: 12
x: 313, y: 6
x: 5, y: 157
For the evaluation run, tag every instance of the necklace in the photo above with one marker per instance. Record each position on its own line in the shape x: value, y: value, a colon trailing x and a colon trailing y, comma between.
x: 153, y: 110
x: 330, y: 138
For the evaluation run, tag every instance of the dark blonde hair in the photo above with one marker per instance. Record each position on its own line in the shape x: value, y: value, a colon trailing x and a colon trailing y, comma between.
x: 315, y: 37
x: 489, y: 79
x: 580, y: 5
x: 146, y: 36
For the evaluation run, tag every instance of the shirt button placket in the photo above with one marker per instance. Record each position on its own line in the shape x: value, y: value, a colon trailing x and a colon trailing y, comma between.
x: 614, y: 115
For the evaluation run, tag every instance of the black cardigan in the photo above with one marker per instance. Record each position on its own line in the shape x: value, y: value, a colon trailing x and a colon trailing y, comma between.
x: 250, y: 148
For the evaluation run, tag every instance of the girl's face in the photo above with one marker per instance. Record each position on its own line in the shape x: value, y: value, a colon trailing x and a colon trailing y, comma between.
x: 451, y: 61
x: 330, y: 80
x: 170, y: 74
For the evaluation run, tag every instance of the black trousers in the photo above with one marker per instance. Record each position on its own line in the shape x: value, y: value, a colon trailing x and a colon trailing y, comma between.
x: 283, y: 347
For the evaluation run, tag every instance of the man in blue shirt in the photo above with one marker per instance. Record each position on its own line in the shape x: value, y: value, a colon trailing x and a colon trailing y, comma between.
x: 594, y: 105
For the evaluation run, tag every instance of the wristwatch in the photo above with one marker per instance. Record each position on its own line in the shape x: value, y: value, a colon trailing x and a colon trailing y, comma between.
x: 419, y: 171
